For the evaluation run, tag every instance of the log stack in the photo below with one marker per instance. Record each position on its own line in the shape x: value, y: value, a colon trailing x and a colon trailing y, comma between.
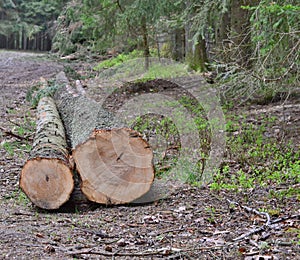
x: 113, y: 161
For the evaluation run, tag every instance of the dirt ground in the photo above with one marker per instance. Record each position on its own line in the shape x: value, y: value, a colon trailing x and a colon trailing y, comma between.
x: 192, y: 223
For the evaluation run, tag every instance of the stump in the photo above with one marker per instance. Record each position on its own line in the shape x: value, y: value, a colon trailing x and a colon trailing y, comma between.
x: 113, y: 161
x: 46, y: 177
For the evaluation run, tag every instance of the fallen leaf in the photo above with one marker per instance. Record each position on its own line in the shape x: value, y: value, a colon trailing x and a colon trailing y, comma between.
x: 151, y: 219
x: 180, y: 209
x: 121, y: 242
x: 49, y: 249
x: 108, y: 248
x: 242, y: 250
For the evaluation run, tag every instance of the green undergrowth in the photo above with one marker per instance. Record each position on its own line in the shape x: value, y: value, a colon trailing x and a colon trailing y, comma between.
x: 256, y: 154
x: 24, y: 131
x: 133, y: 64
x: 71, y: 73
x: 258, y: 158
x: 13, y: 147
x: 159, y: 70
x: 164, y: 135
x: 17, y: 195
x: 18, y: 147
x: 119, y: 59
x: 36, y: 92
x: 19, y: 198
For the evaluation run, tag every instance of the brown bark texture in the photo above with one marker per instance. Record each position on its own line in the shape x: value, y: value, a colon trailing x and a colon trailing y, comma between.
x: 47, y: 177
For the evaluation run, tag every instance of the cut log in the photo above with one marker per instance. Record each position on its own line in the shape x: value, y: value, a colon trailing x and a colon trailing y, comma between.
x: 115, y: 166
x: 113, y: 161
x: 46, y: 177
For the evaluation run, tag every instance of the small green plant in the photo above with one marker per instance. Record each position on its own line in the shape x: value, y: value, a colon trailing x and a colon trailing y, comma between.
x: 19, y: 197
x: 9, y: 147
x: 286, y: 193
x: 22, y: 199
x: 21, y: 130
x: 212, y: 214
x: 72, y: 73
x: 245, y: 181
x: 16, y: 148
x: 31, y: 92
x: 35, y: 93
x: 11, y: 111
x: 159, y: 70
x: 121, y: 58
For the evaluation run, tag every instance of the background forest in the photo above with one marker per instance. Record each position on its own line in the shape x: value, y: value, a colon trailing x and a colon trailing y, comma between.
x: 237, y: 40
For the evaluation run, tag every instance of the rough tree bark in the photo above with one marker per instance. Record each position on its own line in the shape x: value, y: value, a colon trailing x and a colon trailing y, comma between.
x: 145, y: 43
x: 113, y: 161
x: 46, y: 177
x: 240, y: 32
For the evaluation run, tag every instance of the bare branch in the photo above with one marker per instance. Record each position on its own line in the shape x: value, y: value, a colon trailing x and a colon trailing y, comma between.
x: 160, y: 251
x: 22, y: 138
x: 268, y: 223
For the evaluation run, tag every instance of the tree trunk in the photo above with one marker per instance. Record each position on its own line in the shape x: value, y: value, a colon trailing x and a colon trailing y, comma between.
x: 188, y: 44
x: 145, y: 42
x: 46, y: 177
x: 113, y: 161
x: 240, y: 32
x: 178, y: 44
x: 222, y: 40
x: 200, y: 55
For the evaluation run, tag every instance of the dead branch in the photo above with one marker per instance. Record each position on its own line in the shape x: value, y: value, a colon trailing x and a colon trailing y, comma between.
x: 251, y: 210
x: 256, y: 230
x: 285, y: 218
x: 165, y: 251
x: 19, y: 125
x: 268, y: 223
x: 251, y: 232
x: 161, y: 251
x: 10, y: 133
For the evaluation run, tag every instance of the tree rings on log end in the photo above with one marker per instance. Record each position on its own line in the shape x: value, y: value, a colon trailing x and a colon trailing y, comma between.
x: 48, y: 183
x: 115, y: 166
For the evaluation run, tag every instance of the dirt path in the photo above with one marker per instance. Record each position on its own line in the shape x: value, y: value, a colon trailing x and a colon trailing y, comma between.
x: 195, y: 223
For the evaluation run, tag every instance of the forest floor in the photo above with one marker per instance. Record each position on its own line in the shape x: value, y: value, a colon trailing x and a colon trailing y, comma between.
x: 192, y: 223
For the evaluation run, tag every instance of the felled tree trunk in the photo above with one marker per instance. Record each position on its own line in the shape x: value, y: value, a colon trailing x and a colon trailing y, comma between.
x: 113, y: 161
x: 46, y: 177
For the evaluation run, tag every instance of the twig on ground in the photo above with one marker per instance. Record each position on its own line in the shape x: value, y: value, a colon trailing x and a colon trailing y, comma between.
x: 161, y: 251
x: 251, y: 210
x: 22, y: 138
x: 256, y: 230
x: 285, y: 218
x: 19, y: 125
x: 268, y: 223
x: 166, y: 251
x: 170, y: 231
x: 251, y: 232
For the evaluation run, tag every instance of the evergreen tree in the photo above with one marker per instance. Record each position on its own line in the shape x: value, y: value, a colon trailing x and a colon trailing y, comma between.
x: 26, y: 24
